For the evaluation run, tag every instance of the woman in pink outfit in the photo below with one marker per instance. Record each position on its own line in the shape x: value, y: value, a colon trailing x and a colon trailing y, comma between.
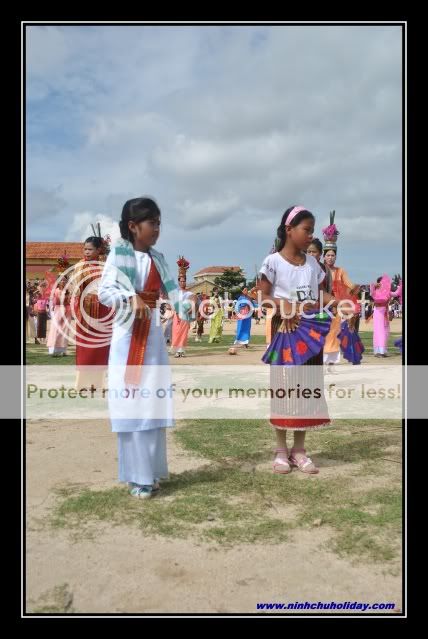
x: 41, y: 309
x: 58, y: 333
x: 381, y: 294
x: 180, y: 328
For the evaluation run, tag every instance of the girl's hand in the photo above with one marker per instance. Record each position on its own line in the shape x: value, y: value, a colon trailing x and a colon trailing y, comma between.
x: 332, y: 305
x: 352, y: 323
x: 142, y: 311
x: 291, y: 323
x: 308, y: 308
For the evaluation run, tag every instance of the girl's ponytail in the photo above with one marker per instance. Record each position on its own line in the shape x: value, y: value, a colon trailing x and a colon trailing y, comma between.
x: 124, y: 230
x: 281, y: 238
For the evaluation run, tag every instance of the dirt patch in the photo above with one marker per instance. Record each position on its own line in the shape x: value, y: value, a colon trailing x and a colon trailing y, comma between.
x: 123, y: 569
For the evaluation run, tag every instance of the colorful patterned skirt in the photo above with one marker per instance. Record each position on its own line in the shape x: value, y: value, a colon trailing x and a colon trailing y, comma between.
x: 297, y: 393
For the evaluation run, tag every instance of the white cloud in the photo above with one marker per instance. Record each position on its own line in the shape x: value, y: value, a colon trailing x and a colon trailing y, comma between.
x: 211, y: 212
x: 80, y: 227
x: 225, y: 126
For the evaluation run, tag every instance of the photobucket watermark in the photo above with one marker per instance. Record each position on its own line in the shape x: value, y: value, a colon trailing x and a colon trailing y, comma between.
x: 346, y: 308
x: 232, y: 392
x: 206, y: 309
x: 88, y: 303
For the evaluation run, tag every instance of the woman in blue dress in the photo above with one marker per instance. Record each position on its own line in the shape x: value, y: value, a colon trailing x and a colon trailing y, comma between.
x: 244, y: 311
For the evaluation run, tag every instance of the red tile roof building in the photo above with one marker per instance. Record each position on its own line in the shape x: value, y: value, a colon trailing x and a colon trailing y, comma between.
x: 214, y: 271
x: 42, y: 256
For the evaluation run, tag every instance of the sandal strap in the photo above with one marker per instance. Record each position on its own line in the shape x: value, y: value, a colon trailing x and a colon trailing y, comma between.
x: 280, y: 461
x: 303, y: 462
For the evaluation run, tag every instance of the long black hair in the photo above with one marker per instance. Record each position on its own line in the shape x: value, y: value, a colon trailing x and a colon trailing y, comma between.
x: 281, y: 236
x: 137, y: 210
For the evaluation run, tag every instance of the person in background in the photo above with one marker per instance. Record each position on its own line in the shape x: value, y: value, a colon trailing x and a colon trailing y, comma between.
x: 41, y: 309
x: 244, y: 312
x: 181, y: 327
x: 167, y: 315
x: 31, y: 316
x: 93, y: 326
x: 216, y: 328
x: 200, y: 316
x: 60, y: 317
x: 341, y: 287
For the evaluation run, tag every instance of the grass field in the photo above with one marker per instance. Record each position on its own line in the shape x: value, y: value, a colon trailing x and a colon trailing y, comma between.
x: 37, y: 353
x: 235, y: 498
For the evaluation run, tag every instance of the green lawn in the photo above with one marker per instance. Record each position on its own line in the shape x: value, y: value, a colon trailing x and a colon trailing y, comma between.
x: 367, y: 339
x: 38, y: 353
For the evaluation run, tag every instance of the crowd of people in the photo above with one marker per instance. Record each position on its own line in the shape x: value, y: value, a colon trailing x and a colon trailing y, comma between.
x: 132, y: 286
x: 211, y: 311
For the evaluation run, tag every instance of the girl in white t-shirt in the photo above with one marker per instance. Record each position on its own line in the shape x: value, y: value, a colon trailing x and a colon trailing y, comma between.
x: 287, y: 276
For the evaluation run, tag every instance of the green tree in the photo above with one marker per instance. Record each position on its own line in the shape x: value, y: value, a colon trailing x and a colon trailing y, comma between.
x: 231, y: 281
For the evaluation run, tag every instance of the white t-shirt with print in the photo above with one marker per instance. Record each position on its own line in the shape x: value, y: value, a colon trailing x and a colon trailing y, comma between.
x: 290, y: 282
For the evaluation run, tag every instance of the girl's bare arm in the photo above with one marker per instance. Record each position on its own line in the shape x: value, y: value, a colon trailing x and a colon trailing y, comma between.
x: 265, y: 287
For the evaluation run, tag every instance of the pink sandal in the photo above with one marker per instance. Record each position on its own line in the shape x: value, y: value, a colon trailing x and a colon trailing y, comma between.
x: 280, y: 465
x: 305, y: 464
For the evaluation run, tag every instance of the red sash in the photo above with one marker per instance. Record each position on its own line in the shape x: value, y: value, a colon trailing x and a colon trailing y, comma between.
x: 141, y: 327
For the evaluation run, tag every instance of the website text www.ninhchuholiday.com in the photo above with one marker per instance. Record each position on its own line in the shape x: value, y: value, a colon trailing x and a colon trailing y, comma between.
x: 331, y: 605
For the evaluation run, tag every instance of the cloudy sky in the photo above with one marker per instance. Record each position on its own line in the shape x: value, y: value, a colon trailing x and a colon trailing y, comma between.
x: 226, y: 127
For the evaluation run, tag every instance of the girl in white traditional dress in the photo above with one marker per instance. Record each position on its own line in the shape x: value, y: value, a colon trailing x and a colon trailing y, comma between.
x: 140, y: 392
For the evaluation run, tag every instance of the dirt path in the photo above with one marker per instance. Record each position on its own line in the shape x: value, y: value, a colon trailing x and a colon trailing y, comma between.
x: 123, y: 569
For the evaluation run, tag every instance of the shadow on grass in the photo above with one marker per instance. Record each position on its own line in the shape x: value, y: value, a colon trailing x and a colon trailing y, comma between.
x: 229, y: 507
x: 229, y: 501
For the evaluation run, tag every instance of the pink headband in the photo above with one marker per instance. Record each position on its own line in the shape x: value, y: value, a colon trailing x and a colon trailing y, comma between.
x: 293, y: 213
